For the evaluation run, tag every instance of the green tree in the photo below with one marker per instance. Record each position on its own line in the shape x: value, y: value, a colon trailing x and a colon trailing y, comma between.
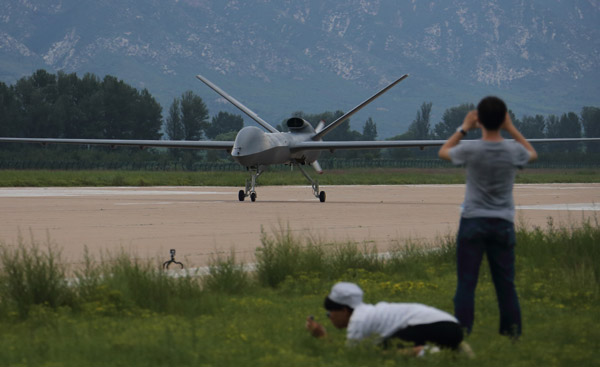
x: 174, y: 126
x: 194, y: 116
x: 147, y: 117
x: 419, y: 129
x: 224, y: 123
x: 451, y: 119
x: 567, y: 126
x: 128, y: 113
x: 67, y: 110
x: 36, y: 95
x: 369, y: 130
x: 590, y: 119
x: 10, y: 118
x: 91, y: 104
x: 370, y: 133
x: 532, y: 127
x: 117, y: 123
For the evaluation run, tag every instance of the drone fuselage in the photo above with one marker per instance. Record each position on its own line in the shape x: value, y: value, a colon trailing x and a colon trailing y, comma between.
x: 253, y: 147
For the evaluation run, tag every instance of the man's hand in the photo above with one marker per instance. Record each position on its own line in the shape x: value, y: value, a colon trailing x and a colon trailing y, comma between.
x: 314, y: 328
x: 512, y: 131
x: 507, y: 124
x: 471, y: 121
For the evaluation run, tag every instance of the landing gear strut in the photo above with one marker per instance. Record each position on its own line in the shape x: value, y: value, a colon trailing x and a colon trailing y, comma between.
x: 250, y: 189
x: 315, y: 186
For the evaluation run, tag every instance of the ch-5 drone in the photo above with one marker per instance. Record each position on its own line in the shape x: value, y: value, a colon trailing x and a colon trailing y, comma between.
x: 257, y: 149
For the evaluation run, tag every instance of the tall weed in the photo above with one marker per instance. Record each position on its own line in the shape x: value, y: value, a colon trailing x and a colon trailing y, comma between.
x: 31, y: 276
x: 225, y: 275
x: 565, y: 257
x: 282, y: 254
x: 139, y: 283
x: 129, y: 311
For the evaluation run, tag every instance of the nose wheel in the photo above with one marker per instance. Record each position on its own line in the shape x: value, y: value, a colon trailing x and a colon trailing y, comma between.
x: 250, y: 189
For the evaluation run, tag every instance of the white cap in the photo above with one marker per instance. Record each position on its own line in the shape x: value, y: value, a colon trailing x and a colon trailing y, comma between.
x: 347, y: 294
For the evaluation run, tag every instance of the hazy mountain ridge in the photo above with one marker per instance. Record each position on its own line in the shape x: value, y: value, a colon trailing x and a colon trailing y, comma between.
x: 454, y: 50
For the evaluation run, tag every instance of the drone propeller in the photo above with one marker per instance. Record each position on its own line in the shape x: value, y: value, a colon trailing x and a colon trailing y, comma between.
x: 320, y: 126
x: 317, y: 167
x: 316, y: 164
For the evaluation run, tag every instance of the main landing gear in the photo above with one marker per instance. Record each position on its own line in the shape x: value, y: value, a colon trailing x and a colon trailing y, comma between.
x: 250, y: 189
x: 315, y: 186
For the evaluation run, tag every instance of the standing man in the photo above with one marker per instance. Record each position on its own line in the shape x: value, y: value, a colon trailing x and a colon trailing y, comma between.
x: 487, y: 219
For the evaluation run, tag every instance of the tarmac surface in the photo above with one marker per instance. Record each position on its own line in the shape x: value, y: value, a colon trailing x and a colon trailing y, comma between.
x: 201, y: 223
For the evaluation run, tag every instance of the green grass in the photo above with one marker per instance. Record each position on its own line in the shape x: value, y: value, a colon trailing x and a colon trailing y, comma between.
x: 120, y: 311
x: 378, y: 176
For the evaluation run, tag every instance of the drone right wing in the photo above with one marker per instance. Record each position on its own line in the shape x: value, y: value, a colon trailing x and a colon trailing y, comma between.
x: 238, y: 104
x: 219, y: 145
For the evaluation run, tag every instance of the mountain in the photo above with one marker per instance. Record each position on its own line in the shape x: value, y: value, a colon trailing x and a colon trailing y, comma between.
x: 278, y: 57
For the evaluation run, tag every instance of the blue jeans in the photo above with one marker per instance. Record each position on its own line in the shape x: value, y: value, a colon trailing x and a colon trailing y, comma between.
x: 496, y: 238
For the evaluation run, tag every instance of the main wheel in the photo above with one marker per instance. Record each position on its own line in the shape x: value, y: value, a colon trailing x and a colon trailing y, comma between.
x: 253, y: 196
x: 322, y: 196
x: 241, y: 195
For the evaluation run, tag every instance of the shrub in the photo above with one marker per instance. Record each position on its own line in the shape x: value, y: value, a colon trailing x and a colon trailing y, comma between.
x: 224, y: 275
x: 31, y: 276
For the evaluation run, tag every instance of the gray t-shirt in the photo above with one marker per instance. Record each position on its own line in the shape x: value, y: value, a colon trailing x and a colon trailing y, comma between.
x: 491, y: 169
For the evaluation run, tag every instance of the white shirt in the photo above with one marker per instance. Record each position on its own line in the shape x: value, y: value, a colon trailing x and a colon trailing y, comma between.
x: 384, y: 319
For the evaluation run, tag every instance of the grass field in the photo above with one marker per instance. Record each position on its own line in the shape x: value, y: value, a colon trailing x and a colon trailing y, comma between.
x: 45, y: 178
x: 117, y: 311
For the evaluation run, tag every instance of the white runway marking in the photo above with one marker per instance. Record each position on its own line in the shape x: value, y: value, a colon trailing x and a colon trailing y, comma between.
x: 568, y: 207
x: 156, y: 203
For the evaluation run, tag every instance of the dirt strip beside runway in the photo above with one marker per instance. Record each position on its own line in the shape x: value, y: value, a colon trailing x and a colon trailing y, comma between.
x: 200, y: 222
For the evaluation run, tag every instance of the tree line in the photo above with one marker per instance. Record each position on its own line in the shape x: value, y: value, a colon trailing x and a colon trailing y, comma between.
x: 567, y: 125
x: 66, y: 106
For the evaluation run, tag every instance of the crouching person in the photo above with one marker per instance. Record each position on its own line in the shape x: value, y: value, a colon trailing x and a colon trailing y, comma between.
x: 406, y: 322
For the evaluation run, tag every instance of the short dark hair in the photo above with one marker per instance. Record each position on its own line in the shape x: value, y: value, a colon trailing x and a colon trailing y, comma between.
x: 491, y: 112
x: 331, y: 305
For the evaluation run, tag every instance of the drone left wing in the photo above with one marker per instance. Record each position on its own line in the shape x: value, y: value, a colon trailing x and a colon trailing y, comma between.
x: 219, y: 145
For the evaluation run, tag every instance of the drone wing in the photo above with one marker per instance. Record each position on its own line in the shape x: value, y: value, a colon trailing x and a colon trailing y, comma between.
x: 320, y: 134
x: 339, y: 145
x: 219, y: 145
x: 238, y: 104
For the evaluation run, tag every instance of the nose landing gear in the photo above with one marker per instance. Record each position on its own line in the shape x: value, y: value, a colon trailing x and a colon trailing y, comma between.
x: 250, y: 189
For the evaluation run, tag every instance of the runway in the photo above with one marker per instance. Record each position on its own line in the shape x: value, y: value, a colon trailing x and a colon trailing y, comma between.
x: 202, y: 222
